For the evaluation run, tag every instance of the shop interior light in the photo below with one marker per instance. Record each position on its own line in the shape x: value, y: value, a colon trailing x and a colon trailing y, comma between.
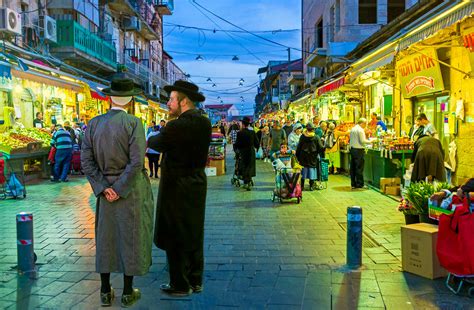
x: 199, y: 58
x: 67, y: 78
x: 17, y: 89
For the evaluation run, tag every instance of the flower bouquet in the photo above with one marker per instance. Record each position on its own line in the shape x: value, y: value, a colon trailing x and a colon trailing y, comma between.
x: 410, y: 213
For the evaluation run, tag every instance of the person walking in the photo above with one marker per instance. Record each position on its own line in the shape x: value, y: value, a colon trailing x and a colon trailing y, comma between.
x: 277, y: 137
x: 62, y: 141
x: 153, y: 155
x: 357, y: 144
x: 179, y: 226
x: 246, y: 144
x: 294, y: 137
x: 288, y: 127
x: 151, y: 128
x: 309, y: 149
x: 113, y: 159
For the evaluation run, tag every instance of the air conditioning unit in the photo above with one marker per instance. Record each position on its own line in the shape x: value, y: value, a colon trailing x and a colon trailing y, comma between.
x: 10, y: 21
x: 48, y: 29
x: 131, y: 23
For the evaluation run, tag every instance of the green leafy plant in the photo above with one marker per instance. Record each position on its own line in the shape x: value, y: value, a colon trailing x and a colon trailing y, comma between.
x: 418, y: 194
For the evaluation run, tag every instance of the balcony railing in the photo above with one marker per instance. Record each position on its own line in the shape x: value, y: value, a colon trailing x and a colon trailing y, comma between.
x: 165, y: 7
x: 142, y: 72
x: 71, y: 34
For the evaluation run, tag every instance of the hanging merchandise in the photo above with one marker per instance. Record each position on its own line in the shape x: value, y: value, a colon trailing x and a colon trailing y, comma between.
x: 460, y: 109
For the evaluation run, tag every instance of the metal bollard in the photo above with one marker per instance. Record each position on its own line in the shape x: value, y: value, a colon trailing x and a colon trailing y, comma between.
x: 24, y: 234
x: 354, y: 237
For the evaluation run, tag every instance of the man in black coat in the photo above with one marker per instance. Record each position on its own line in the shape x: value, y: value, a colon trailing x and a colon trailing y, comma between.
x: 246, y: 144
x: 179, y: 226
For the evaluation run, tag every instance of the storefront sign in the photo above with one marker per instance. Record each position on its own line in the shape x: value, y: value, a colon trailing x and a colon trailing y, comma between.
x: 331, y: 86
x: 468, y: 41
x: 420, y: 73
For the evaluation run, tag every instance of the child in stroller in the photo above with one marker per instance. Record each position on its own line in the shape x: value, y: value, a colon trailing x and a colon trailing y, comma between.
x: 287, y: 177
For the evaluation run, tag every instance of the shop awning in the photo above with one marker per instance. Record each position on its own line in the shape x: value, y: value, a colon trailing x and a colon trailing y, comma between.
x: 449, y: 16
x: 333, y: 85
x: 141, y: 100
x: 95, y: 89
x: 373, y: 63
x: 5, y: 70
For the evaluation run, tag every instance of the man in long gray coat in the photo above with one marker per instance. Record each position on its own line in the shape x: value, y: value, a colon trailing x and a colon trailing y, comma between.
x: 113, y: 153
x: 179, y: 226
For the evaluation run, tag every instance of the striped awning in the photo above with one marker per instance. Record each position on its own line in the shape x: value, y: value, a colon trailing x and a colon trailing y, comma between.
x: 452, y: 15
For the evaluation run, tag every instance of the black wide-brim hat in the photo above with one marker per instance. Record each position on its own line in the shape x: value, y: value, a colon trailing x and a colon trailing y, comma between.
x: 246, y: 120
x: 189, y: 89
x: 122, y: 87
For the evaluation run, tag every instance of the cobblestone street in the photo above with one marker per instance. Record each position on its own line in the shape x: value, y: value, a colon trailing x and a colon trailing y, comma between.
x: 259, y: 254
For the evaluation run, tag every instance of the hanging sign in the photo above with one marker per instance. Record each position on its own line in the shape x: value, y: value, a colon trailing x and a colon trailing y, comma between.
x: 331, y: 86
x: 420, y: 73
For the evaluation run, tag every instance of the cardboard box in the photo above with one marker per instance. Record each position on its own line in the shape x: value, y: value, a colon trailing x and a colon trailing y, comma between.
x: 392, y: 190
x: 419, y: 250
x: 210, y: 171
x: 219, y: 164
x: 384, y: 182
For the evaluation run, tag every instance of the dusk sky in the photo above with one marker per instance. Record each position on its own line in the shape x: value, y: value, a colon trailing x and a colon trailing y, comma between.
x: 218, y: 48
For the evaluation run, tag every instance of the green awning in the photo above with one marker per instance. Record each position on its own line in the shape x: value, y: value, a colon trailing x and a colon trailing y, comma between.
x: 141, y: 100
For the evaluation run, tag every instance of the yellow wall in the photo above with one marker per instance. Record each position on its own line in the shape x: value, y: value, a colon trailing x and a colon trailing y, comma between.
x: 462, y: 87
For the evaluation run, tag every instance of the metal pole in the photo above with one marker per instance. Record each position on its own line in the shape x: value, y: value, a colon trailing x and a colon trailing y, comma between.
x: 25, y: 250
x: 354, y: 237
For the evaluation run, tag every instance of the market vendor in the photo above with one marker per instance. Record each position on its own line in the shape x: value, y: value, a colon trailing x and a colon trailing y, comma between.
x: 38, y: 121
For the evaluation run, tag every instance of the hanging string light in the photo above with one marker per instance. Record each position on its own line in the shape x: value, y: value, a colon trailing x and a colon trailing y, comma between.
x: 214, y: 85
x: 235, y: 58
x: 209, y: 79
x: 199, y: 58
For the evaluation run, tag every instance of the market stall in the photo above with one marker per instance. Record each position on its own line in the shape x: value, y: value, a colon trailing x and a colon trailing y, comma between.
x: 27, y: 151
x: 387, y: 158
x: 216, y: 162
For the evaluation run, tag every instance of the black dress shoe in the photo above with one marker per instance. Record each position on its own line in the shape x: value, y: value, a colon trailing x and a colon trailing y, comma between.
x: 168, y: 289
x: 196, y: 288
x: 131, y: 299
x: 106, y: 299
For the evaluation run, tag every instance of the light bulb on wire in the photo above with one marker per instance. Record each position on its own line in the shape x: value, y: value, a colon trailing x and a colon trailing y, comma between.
x: 199, y: 58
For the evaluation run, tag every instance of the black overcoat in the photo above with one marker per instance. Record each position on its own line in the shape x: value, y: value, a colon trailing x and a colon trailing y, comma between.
x: 184, y: 143
x: 246, y: 144
x: 308, y: 149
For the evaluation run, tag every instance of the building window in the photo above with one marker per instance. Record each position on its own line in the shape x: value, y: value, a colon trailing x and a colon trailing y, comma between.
x: 318, y: 34
x: 394, y: 9
x: 332, y: 26
x: 367, y: 11
x: 337, y: 15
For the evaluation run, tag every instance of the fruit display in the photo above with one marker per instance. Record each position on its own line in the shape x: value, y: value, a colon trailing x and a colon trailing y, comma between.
x: 10, y: 142
x: 37, y: 134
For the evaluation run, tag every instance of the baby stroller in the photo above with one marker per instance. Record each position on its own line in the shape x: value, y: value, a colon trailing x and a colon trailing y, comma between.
x: 76, y: 160
x: 287, y: 183
x: 237, y: 176
x: 11, y: 184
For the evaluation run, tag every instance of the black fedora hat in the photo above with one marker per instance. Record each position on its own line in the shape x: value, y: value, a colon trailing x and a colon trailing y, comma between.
x: 246, y: 120
x: 122, y: 87
x: 189, y: 89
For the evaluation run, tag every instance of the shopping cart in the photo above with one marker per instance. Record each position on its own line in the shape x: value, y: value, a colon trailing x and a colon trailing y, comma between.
x: 12, y: 183
x: 287, y: 184
x: 460, y: 258
x: 323, y: 176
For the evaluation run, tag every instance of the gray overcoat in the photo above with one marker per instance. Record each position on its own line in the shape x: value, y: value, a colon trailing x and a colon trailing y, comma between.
x: 113, y: 152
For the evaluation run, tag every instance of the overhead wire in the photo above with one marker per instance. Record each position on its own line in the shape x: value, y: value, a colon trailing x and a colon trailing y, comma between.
x: 238, y: 27
x: 228, y: 34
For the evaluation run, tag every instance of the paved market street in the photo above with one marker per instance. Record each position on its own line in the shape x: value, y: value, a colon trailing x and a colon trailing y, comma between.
x: 259, y: 254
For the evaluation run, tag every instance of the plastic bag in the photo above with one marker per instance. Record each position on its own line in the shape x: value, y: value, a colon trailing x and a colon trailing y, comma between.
x: 14, y: 186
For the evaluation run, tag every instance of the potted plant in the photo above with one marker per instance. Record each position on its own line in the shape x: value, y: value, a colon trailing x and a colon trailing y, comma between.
x: 418, y: 194
x: 410, y: 213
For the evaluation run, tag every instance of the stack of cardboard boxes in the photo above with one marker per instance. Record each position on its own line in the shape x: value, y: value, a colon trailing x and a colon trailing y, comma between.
x: 390, y: 186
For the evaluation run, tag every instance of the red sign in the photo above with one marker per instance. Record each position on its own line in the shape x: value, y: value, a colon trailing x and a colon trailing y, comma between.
x: 96, y: 95
x: 331, y: 86
x: 468, y: 41
x: 420, y: 81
